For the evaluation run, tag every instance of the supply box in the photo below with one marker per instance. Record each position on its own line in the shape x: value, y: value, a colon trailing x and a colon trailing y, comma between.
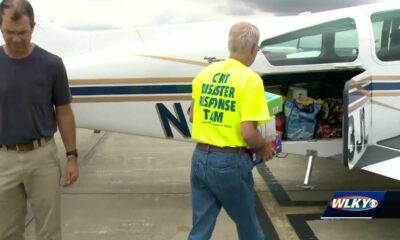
x: 275, y: 103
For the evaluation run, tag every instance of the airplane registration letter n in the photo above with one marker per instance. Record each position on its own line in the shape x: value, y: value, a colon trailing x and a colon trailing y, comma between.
x: 167, y: 118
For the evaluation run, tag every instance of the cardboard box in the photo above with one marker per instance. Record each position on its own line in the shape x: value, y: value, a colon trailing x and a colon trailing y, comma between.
x: 275, y: 103
x: 297, y: 93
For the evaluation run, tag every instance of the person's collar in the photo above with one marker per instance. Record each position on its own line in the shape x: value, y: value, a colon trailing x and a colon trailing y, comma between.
x: 29, y: 52
x: 235, y: 60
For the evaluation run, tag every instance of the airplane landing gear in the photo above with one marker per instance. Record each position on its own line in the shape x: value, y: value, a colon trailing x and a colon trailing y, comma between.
x: 311, y: 154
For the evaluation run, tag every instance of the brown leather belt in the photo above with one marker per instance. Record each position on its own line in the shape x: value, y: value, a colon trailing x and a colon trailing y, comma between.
x: 26, y: 147
x: 211, y: 148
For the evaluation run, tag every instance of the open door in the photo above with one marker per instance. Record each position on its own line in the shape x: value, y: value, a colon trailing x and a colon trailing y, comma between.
x: 357, y: 122
x: 371, y: 130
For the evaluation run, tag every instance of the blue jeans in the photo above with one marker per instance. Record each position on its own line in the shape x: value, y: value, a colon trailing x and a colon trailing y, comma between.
x: 223, y: 180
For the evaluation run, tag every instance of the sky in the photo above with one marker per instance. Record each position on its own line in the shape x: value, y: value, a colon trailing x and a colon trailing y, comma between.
x: 107, y: 14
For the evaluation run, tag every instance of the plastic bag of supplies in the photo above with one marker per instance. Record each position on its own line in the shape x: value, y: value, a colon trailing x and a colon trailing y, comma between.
x: 300, y: 120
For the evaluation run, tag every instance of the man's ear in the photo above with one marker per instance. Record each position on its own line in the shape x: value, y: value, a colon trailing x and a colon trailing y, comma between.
x: 33, y: 25
x: 254, y: 48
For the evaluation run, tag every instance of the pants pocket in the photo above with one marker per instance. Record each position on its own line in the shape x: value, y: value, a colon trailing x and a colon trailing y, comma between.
x: 247, y: 167
x: 227, y: 179
x: 197, y: 168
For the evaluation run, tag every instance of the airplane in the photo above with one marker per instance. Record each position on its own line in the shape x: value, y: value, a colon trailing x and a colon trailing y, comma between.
x: 138, y: 80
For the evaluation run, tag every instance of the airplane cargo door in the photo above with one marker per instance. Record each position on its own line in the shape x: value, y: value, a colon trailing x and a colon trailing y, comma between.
x: 357, y: 116
x: 372, y: 106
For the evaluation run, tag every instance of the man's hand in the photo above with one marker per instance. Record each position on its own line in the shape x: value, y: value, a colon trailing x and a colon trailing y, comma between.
x: 266, y: 152
x: 253, y: 138
x: 71, y: 171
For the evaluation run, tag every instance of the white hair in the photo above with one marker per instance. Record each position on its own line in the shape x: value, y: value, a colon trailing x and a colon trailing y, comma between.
x: 242, y: 37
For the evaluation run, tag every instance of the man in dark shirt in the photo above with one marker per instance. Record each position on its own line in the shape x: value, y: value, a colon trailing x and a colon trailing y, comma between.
x: 34, y: 100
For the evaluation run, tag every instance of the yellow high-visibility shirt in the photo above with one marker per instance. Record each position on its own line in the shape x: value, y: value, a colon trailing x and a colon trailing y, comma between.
x: 225, y: 94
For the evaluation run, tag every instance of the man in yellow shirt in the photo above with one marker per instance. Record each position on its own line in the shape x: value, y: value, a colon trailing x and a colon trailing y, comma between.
x: 228, y: 103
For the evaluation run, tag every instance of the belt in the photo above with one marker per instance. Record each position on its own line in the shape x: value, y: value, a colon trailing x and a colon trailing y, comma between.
x: 211, y: 148
x: 26, y: 147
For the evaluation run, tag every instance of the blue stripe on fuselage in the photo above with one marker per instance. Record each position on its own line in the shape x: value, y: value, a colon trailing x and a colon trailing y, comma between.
x: 354, y: 96
x: 384, y: 86
x: 180, y: 89
x: 379, y: 86
x: 126, y: 90
x: 375, y: 86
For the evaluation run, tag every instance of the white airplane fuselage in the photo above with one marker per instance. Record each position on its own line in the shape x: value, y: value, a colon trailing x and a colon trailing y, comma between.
x: 138, y: 80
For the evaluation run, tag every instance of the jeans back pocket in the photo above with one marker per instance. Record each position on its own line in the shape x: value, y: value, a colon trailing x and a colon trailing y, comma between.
x: 225, y: 172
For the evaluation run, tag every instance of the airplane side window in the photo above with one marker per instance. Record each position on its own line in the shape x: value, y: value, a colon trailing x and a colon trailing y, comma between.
x: 386, y: 27
x: 279, y: 51
x: 330, y: 42
x: 346, y: 44
x: 308, y: 47
x: 377, y: 28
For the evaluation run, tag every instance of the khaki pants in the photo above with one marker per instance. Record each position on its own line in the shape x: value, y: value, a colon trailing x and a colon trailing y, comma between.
x: 32, y: 176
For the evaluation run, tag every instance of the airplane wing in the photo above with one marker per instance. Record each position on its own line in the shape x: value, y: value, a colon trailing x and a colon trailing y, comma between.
x: 382, y: 160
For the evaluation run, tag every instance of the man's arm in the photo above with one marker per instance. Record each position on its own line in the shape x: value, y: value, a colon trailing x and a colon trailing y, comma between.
x: 253, y: 138
x: 66, y: 124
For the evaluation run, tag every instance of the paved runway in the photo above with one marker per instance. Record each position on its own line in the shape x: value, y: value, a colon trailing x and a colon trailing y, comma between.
x: 137, y: 188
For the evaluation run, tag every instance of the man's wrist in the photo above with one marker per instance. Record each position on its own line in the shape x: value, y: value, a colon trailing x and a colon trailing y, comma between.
x: 261, y: 144
x: 72, y: 153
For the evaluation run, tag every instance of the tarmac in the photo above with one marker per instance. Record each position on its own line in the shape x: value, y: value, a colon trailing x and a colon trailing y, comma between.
x: 137, y: 188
